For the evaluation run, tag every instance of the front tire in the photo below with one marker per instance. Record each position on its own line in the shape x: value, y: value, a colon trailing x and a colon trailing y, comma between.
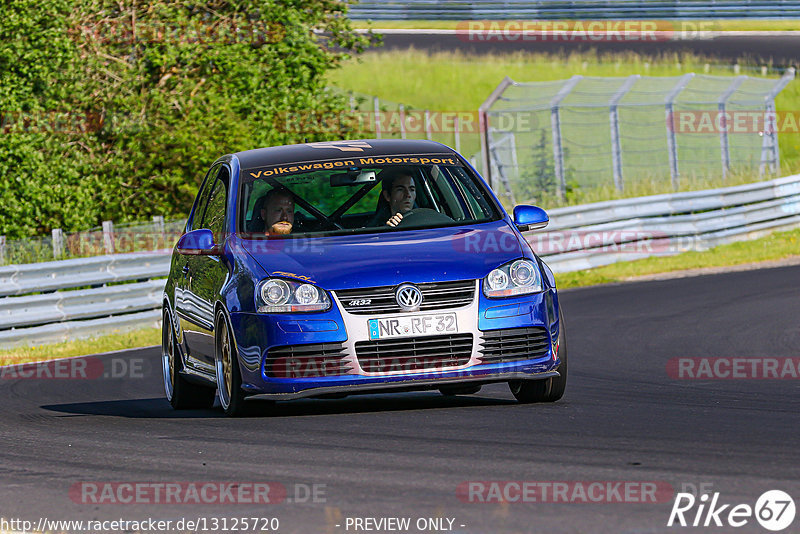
x: 229, y: 377
x: 181, y: 394
x: 549, y: 389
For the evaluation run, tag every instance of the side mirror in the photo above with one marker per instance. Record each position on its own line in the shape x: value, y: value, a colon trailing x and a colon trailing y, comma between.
x: 530, y: 218
x: 198, y: 243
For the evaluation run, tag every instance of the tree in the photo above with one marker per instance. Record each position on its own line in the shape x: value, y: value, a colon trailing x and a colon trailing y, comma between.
x: 151, y: 93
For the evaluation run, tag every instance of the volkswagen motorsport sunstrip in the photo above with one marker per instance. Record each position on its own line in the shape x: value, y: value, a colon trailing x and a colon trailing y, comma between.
x: 330, y: 269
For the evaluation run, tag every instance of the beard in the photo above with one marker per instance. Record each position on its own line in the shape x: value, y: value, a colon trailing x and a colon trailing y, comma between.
x: 281, y: 228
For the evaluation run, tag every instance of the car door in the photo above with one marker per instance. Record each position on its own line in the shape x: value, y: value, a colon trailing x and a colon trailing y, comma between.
x: 185, y: 303
x: 205, y: 276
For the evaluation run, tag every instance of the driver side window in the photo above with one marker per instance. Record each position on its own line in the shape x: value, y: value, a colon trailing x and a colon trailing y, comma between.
x: 214, y: 216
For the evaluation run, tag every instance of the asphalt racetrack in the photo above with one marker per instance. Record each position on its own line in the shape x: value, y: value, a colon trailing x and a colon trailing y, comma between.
x: 781, y: 50
x: 623, y: 419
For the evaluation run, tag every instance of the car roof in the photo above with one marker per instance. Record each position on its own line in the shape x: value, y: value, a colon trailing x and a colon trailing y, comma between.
x: 281, y: 155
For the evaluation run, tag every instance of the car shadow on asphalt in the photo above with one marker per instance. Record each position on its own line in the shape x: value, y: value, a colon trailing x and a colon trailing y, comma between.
x: 159, y: 408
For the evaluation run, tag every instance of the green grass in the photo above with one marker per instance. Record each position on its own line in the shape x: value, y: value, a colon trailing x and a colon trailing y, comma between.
x: 82, y: 347
x: 716, y: 25
x: 777, y: 246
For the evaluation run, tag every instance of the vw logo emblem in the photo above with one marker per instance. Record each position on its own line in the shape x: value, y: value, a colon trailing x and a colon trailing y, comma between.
x: 408, y: 297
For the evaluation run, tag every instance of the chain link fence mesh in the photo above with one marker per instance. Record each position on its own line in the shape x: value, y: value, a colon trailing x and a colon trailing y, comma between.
x: 547, y: 139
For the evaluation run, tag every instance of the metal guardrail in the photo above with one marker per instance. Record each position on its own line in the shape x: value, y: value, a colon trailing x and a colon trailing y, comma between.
x: 673, y: 203
x: 54, y: 315
x: 69, y: 330
x: 53, y: 275
x: 34, y: 310
x: 572, y: 9
x: 579, y: 237
x: 584, y: 237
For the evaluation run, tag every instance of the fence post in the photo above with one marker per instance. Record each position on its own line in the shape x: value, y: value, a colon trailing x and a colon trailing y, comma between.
x: 770, y: 151
x: 457, y: 128
x: 58, y: 243
x: 402, y: 121
x: 352, y: 103
x: 428, y: 132
x: 2, y: 250
x: 616, y: 146
x: 377, y: 110
x: 725, y: 149
x: 672, y: 144
x: 108, y: 237
x: 483, y: 118
x: 555, y: 125
x: 159, y: 233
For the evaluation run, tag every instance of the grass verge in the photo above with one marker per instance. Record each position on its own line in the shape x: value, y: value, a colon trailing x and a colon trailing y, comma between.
x: 777, y: 246
x: 82, y: 347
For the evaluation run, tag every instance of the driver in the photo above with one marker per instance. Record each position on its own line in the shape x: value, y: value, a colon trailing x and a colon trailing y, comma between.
x: 398, y: 194
x: 278, y: 212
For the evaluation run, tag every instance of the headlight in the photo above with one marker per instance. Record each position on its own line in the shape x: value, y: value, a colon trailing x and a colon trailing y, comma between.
x: 282, y: 296
x: 519, y: 277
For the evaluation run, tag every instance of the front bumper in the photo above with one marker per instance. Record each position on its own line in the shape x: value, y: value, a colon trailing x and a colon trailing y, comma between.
x: 257, y: 334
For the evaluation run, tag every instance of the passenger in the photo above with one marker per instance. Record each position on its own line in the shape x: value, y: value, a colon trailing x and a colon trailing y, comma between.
x: 278, y: 212
x: 398, y: 194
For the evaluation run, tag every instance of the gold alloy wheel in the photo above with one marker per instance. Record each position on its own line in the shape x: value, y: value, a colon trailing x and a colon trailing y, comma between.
x: 227, y: 368
x: 168, y: 357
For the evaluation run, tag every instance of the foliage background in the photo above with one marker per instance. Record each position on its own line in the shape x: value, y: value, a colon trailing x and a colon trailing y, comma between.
x: 113, y: 110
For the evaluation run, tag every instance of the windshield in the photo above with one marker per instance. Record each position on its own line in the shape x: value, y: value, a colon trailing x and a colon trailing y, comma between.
x: 345, y: 196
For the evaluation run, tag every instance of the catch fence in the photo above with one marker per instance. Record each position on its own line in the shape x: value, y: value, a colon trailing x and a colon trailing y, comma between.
x: 541, y: 140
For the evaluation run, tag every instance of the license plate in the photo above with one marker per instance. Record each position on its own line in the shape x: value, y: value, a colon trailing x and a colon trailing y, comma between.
x: 418, y: 325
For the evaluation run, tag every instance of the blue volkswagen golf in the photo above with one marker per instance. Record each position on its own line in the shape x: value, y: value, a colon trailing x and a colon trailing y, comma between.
x: 338, y: 268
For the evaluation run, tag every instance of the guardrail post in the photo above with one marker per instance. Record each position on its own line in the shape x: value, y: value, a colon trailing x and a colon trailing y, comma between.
x: 108, y: 237
x: 770, y: 151
x: 725, y: 148
x: 672, y: 144
x: 616, y: 146
x: 483, y: 118
x: 2, y: 250
x: 555, y: 125
x: 58, y: 243
x: 377, y: 110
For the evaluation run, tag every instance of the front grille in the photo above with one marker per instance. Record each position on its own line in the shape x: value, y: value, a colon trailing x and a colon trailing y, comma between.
x: 305, y: 361
x: 435, y: 296
x: 414, y: 354
x: 513, y: 344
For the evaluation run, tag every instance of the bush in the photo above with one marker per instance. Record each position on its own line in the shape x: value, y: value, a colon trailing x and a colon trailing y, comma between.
x: 114, y: 110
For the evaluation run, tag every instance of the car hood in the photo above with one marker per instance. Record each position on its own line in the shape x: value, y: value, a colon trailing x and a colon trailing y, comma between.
x: 389, y: 258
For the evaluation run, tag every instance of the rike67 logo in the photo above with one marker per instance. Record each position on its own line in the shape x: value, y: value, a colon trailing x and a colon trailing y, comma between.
x: 774, y: 510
